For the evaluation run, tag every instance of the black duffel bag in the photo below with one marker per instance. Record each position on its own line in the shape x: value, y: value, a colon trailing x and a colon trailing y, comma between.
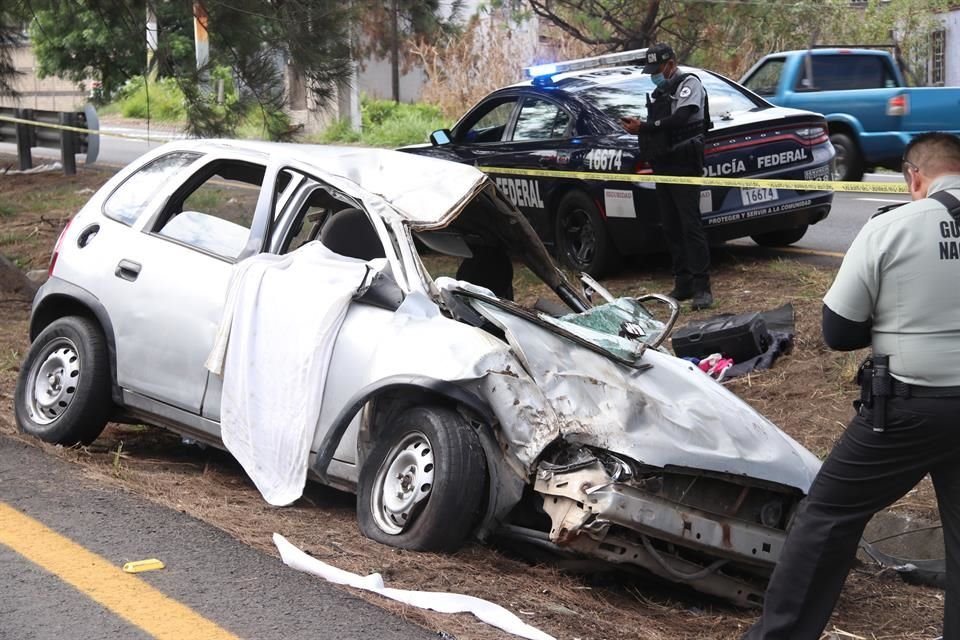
x: 740, y: 337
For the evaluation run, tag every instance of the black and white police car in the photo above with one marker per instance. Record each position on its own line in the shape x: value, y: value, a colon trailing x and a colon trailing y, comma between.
x: 566, y: 118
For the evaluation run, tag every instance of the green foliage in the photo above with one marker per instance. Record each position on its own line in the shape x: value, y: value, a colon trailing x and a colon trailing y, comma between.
x: 7, y: 210
x: 340, y: 132
x: 253, y: 40
x: 387, y: 124
x: 158, y: 99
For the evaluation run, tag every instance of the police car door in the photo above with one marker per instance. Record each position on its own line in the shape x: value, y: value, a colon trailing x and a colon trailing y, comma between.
x: 538, y: 139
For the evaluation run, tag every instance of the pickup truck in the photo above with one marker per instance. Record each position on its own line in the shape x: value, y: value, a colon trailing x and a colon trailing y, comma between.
x: 871, y: 112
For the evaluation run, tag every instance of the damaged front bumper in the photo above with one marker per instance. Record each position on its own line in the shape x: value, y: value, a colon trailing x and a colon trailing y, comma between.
x: 718, y: 535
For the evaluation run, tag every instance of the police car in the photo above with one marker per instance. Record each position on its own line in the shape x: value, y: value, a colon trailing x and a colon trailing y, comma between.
x: 566, y: 118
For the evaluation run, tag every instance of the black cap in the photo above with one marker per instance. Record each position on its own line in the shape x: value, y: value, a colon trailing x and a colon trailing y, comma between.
x: 656, y: 56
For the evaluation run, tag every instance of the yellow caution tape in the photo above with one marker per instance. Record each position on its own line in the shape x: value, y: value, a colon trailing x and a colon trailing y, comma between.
x: 138, y: 566
x: 799, y: 185
x: 64, y: 127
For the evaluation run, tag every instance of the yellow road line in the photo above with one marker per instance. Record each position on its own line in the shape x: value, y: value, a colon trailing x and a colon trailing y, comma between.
x: 125, y: 595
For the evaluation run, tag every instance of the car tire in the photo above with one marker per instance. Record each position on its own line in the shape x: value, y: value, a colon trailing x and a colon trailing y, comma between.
x: 423, y: 485
x: 848, y: 163
x: 582, y: 239
x: 63, y: 389
x: 780, y: 238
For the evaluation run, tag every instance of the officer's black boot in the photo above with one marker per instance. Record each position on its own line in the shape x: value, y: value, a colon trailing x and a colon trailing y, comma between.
x: 682, y: 289
x: 702, y: 296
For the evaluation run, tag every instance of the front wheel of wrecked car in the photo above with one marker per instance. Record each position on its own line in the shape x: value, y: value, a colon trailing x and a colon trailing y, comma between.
x: 423, y: 485
x: 63, y: 390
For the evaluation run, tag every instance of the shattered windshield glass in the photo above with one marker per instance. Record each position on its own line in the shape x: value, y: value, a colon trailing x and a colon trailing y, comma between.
x: 619, y: 327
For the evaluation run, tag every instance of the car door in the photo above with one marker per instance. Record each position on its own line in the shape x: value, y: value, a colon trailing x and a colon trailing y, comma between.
x: 538, y: 137
x: 174, y: 276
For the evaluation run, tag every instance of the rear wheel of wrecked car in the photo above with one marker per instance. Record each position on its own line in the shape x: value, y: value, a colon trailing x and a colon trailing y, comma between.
x: 583, y: 242
x: 63, y: 390
x: 780, y: 238
x: 423, y: 485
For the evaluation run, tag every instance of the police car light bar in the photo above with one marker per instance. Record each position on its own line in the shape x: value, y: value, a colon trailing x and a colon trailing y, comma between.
x: 542, y: 73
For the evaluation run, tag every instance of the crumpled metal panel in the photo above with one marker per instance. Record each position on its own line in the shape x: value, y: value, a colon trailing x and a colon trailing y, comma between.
x: 671, y: 414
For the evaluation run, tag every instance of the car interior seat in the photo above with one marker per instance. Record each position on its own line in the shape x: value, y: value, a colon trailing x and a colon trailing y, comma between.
x: 350, y: 233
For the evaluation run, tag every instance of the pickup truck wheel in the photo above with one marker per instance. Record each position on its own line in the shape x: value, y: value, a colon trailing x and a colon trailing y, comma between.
x: 848, y: 165
x: 780, y: 238
x: 583, y: 242
x: 63, y: 389
x: 423, y: 485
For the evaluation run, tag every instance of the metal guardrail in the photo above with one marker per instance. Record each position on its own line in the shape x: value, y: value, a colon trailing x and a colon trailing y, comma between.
x: 71, y: 132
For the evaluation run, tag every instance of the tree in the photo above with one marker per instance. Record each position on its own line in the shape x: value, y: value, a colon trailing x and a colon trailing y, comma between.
x: 9, y: 36
x: 387, y: 24
x: 729, y: 36
x: 253, y: 39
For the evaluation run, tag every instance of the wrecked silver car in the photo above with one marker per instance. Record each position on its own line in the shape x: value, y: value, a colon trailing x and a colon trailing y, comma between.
x: 272, y: 299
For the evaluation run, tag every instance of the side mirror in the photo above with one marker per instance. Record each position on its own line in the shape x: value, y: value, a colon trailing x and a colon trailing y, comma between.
x: 439, y: 137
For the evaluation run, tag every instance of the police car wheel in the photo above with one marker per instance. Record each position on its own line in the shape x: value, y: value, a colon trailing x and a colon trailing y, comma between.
x: 780, y: 238
x: 583, y: 242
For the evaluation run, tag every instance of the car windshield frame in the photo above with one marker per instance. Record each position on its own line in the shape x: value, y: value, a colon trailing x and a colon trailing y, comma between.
x: 721, y: 90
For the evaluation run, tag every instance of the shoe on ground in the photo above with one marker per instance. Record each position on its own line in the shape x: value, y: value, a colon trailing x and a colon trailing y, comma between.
x: 701, y: 300
x: 681, y: 292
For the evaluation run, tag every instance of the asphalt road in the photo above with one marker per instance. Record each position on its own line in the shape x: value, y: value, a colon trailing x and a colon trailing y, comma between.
x: 213, y: 587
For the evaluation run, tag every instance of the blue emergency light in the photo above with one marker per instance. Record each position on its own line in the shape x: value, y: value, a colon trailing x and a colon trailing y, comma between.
x: 542, y: 74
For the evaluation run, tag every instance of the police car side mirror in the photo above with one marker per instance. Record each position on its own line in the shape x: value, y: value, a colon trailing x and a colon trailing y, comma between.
x: 439, y: 137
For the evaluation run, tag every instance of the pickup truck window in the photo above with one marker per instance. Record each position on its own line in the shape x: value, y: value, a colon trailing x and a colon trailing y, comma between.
x: 845, y: 71
x: 764, y: 80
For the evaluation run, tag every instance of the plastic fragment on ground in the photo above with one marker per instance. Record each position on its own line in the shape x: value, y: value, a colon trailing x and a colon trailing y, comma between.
x: 488, y: 612
x: 139, y: 566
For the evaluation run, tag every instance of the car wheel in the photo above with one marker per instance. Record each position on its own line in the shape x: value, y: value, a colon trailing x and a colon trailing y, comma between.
x: 583, y: 242
x: 423, y: 486
x: 780, y: 238
x: 63, y: 390
x: 847, y: 165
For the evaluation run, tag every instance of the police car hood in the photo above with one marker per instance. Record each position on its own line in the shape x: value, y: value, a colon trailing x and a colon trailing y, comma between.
x: 670, y: 414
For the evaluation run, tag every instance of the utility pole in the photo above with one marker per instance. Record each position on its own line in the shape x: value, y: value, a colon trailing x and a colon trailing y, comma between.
x: 395, y: 49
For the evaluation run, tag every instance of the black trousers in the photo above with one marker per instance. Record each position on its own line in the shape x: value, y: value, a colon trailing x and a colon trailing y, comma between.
x: 865, y: 473
x: 680, y: 217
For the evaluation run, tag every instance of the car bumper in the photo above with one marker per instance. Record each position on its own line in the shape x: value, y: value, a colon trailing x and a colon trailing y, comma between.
x: 595, y: 515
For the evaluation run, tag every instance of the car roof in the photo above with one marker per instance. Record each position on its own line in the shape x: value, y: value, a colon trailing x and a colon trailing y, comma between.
x: 833, y: 51
x: 598, y: 76
x: 422, y: 190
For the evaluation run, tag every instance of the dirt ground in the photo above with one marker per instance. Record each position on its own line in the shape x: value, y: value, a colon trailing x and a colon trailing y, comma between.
x: 807, y: 393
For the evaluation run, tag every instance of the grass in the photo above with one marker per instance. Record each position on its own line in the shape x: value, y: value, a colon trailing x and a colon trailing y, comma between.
x: 386, y: 124
x: 7, y: 210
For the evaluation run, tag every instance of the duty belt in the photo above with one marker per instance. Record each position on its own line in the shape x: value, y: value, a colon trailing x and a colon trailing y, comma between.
x: 904, y: 390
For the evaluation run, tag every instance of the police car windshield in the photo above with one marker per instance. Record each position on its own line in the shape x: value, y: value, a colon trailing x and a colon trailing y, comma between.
x: 623, y: 92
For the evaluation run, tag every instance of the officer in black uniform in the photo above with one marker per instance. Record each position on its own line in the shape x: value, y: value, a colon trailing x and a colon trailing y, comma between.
x: 897, y: 292
x: 671, y: 138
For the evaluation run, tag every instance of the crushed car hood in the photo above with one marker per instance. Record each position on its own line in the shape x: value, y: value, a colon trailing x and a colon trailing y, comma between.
x: 670, y: 414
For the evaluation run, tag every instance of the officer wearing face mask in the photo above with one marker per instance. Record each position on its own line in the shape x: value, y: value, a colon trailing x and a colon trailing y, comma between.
x: 671, y: 139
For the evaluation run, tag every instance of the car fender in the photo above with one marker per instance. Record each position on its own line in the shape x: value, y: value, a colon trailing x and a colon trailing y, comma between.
x: 58, y: 298
x: 505, y: 486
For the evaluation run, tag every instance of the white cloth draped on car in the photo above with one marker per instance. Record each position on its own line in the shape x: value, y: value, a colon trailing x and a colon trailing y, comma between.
x: 273, y: 348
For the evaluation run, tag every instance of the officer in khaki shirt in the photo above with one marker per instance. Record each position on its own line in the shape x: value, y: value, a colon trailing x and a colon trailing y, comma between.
x: 898, y: 290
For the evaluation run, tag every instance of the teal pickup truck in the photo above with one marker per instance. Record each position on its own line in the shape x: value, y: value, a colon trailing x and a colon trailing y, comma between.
x: 871, y: 112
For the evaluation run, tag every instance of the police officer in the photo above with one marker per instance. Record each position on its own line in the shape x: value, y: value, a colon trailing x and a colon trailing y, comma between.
x: 897, y: 289
x: 672, y: 139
